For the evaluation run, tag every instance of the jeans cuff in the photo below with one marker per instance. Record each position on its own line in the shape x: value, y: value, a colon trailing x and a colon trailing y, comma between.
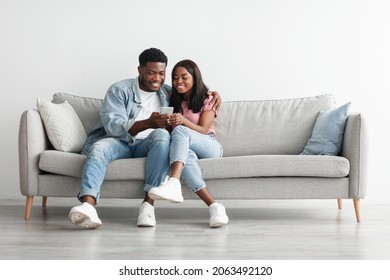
x: 89, y: 192
x: 172, y: 161
x: 198, y: 189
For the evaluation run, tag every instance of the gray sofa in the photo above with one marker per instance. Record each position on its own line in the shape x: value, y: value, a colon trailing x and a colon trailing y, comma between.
x: 262, y: 141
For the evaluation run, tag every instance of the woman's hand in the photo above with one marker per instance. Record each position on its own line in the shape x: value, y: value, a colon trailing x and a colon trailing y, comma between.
x: 176, y: 119
x: 216, y: 101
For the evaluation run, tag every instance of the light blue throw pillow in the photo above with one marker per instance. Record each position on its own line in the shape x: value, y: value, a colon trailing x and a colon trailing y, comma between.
x: 328, y: 132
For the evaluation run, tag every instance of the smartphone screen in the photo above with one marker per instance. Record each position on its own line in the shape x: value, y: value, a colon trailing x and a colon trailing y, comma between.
x: 166, y: 110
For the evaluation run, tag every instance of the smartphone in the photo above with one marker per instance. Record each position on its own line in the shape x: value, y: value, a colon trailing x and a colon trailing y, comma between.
x: 166, y: 110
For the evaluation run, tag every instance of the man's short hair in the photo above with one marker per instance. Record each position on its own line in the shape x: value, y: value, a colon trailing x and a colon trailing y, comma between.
x: 152, y: 55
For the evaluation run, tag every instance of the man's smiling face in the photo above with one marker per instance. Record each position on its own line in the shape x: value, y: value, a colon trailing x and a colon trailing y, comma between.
x: 152, y: 76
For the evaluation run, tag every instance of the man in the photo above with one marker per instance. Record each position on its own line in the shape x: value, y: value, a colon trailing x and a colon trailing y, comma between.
x: 130, y: 127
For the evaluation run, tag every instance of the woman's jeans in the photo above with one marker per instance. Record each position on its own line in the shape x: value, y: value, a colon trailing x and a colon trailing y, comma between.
x: 155, y: 148
x: 188, y: 146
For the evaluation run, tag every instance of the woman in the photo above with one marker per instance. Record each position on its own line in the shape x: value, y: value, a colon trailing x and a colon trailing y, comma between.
x: 192, y: 138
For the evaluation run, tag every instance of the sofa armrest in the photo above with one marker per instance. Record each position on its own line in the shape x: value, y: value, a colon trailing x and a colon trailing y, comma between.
x: 355, y: 149
x: 32, y: 142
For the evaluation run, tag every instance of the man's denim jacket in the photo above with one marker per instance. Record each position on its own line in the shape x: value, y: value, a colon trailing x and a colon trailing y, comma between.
x: 121, y: 107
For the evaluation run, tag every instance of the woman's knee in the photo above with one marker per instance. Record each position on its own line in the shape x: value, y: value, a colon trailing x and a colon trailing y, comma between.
x: 180, y: 130
x: 160, y: 134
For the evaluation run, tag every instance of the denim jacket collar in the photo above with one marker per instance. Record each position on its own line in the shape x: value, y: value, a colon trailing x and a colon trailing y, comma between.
x: 135, y: 87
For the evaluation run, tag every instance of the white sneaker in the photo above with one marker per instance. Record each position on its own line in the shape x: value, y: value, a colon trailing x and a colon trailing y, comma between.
x: 218, y: 215
x: 170, y: 191
x: 146, y: 216
x: 85, y: 215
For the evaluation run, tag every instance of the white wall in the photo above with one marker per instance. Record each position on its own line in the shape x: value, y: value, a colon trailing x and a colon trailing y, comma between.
x: 249, y: 49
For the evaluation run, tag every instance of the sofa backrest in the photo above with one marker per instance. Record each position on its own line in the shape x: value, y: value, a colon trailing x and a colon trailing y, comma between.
x: 269, y: 126
x: 87, y: 108
x: 242, y: 127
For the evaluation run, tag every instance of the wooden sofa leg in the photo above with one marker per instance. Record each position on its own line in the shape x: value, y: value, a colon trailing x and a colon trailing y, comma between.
x: 44, y: 201
x: 356, y: 203
x: 340, y: 203
x: 29, y: 203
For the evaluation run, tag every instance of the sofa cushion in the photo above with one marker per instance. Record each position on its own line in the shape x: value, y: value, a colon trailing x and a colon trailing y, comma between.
x: 270, y: 126
x: 63, y: 126
x: 231, y: 167
x: 88, y: 109
x: 72, y: 165
x: 328, y: 132
x: 275, y: 166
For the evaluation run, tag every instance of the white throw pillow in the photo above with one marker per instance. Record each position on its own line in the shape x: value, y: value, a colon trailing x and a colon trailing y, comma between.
x: 63, y: 127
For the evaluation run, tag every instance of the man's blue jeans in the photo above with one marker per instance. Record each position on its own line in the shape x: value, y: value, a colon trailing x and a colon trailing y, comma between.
x: 155, y: 148
x: 188, y: 146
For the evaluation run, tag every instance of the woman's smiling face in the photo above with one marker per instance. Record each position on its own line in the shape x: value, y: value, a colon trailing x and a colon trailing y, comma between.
x: 183, y: 81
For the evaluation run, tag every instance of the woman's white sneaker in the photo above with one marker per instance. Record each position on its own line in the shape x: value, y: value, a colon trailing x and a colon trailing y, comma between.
x: 218, y: 215
x: 85, y: 215
x: 146, y: 216
x: 170, y: 191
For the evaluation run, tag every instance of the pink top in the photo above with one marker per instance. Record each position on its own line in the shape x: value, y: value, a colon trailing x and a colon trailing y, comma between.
x: 194, y: 117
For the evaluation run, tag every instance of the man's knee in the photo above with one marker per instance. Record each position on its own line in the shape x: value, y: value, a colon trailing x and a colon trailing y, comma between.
x: 103, y: 148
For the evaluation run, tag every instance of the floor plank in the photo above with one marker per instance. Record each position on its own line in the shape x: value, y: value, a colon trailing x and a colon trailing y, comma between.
x: 263, y: 229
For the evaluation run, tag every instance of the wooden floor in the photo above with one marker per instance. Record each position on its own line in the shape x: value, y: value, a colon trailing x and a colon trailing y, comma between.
x: 264, y: 229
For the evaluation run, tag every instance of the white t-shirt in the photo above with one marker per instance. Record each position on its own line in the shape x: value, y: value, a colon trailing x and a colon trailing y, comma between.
x: 150, y: 102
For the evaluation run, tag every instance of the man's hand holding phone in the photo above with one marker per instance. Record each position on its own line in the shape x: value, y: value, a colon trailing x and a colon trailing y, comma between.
x: 166, y: 112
